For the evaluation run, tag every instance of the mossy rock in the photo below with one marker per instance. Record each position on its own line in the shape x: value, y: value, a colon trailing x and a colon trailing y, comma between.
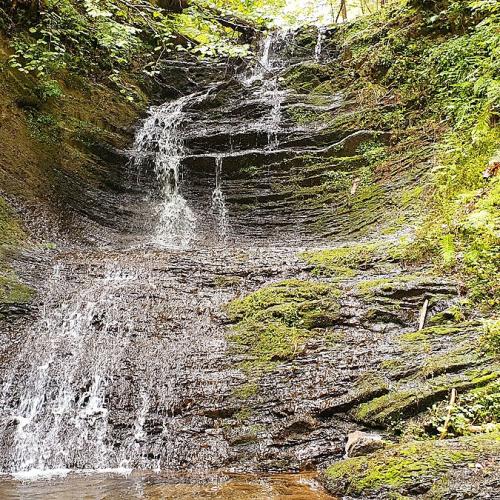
x: 11, y: 232
x: 273, y: 323
x: 368, y: 386
x: 344, y: 261
x: 417, y: 397
x: 306, y: 76
x: 284, y: 298
x: 227, y: 281
x: 12, y: 292
x: 407, y: 469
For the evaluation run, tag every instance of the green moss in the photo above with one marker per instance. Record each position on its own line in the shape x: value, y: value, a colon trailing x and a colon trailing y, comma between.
x: 390, y: 408
x: 369, y: 288
x: 273, y: 323
x: 453, y: 314
x: 11, y: 232
x: 410, y: 197
x: 288, y: 300
x: 490, y: 340
x: 432, y: 331
x: 227, y: 281
x: 385, y: 409
x: 342, y: 261
x: 392, y: 364
x: 401, y: 468
x: 246, y: 391
x: 14, y: 292
x: 422, y: 341
x: 306, y: 76
x: 11, y: 235
x: 307, y: 116
x: 333, y: 338
x: 243, y: 415
x: 370, y: 385
x: 465, y: 356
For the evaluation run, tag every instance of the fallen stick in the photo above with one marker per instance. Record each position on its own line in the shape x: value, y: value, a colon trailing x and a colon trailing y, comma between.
x: 423, y: 315
x: 446, y: 424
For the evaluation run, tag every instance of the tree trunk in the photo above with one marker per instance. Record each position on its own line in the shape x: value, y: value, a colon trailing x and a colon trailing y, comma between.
x: 342, y: 11
x: 172, y: 5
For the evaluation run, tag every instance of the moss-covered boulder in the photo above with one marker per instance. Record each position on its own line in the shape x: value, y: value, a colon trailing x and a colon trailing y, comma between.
x: 417, y: 468
x: 274, y: 322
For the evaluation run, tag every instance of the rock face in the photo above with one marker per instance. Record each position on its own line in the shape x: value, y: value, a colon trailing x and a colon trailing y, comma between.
x: 361, y: 443
x: 243, y: 349
x: 461, y: 468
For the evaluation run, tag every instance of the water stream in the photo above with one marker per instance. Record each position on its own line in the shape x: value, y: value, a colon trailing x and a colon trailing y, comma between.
x: 160, y: 142
x: 319, y: 43
x: 219, y: 203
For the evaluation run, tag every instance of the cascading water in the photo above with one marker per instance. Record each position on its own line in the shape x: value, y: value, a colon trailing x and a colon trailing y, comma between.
x: 126, y: 366
x: 160, y: 140
x: 219, y: 203
x: 266, y: 70
x: 118, y: 344
x: 61, y: 415
x: 319, y: 43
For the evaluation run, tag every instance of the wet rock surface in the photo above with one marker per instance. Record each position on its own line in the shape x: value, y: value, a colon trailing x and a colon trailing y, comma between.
x: 154, y: 337
x: 132, y: 355
x: 459, y: 468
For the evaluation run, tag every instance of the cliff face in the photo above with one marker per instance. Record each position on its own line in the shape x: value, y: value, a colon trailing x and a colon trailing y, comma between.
x: 64, y: 174
x: 332, y: 145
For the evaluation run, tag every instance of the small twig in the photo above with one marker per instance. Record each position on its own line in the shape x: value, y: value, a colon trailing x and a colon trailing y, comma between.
x: 423, y: 315
x: 446, y: 424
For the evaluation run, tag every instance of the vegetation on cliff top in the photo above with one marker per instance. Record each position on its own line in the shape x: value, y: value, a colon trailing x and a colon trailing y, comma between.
x: 112, y: 40
x: 439, y: 67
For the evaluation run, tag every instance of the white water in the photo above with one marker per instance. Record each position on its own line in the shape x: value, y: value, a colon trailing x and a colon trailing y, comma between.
x: 219, y: 202
x: 267, y: 70
x: 120, y: 354
x: 69, y: 358
x: 161, y: 138
x: 127, y: 343
x: 319, y: 43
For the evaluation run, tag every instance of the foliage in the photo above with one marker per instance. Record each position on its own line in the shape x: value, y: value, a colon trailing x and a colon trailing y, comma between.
x: 477, y: 410
x: 490, y: 340
x: 439, y: 62
x: 109, y: 38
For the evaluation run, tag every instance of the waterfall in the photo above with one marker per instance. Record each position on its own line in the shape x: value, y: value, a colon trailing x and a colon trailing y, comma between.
x: 319, y: 43
x: 218, y: 201
x: 159, y: 137
x: 124, y: 367
x: 117, y: 345
x: 160, y: 140
x: 61, y: 412
x: 267, y: 70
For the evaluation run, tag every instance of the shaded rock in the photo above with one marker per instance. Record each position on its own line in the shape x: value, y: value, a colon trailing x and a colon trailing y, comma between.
x: 361, y: 443
x: 298, y: 425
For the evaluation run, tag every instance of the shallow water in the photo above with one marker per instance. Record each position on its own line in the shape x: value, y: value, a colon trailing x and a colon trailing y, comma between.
x: 153, y: 486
